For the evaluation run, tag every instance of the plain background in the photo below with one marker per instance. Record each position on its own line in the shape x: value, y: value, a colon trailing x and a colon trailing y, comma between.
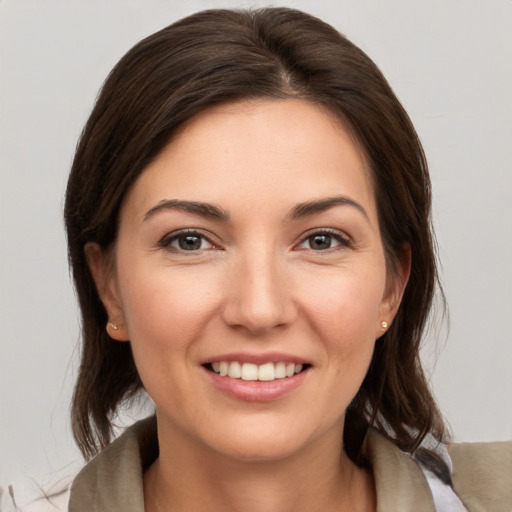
x: 450, y: 63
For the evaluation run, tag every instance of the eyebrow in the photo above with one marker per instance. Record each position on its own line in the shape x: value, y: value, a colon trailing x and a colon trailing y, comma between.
x: 321, y: 205
x: 206, y: 210
x: 214, y: 212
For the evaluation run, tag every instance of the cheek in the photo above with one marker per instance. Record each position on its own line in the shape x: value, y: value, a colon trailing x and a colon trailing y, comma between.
x: 346, y: 306
x: 165, y: 313
x: 165, y: 309
x: 343, y: 310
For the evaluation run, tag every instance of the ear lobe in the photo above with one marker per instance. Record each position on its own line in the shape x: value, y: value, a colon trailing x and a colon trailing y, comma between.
x: 106, y: 286
x: 395, y: 289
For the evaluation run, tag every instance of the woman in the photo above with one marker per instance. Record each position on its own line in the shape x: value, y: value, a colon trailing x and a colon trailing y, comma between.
x: 248, y: 219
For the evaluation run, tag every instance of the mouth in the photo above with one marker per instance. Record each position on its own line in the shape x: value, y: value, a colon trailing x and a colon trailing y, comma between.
x: 253, y: 372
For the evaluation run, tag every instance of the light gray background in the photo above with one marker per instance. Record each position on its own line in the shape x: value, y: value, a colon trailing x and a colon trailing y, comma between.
x: 449, y: 62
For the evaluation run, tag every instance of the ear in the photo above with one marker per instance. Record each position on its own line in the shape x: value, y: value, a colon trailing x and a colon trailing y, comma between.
x: 395, y: 288
x: 104, y: 277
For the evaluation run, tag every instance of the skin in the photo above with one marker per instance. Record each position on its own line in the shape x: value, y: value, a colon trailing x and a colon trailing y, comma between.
x: 256, y: 283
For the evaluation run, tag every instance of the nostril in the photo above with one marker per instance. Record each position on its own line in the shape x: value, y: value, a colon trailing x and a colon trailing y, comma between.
x: 260, y: 302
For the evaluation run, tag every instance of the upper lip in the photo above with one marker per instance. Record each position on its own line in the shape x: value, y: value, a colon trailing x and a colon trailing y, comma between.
x: 259, y: 359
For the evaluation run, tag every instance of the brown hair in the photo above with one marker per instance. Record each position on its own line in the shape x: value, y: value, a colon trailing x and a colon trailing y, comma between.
x: 221, y: 56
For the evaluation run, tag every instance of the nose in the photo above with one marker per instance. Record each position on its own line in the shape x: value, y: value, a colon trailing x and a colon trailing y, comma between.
x: 259, y: 294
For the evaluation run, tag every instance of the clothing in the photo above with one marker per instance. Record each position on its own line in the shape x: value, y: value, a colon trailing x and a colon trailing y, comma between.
x: 482, y: 475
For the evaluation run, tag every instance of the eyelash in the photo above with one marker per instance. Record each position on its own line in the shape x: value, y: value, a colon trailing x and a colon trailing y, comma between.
x: 168, y: 239
x: 343, y: 240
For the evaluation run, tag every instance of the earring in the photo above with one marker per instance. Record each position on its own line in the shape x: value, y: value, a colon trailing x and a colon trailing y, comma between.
x: 384, y: 325
x: 113, y: 326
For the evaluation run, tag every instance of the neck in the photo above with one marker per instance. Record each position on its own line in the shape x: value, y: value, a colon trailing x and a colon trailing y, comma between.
x: 319, y: 477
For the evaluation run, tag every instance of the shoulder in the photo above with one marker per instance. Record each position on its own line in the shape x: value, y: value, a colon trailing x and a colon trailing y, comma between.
x: 482, y: 475
x: 98, y: 487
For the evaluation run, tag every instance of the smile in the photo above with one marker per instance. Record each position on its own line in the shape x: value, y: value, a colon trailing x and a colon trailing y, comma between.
x: 253, y: 372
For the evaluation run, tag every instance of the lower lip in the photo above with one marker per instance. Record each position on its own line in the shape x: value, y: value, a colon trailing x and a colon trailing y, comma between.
x: 257, y: 390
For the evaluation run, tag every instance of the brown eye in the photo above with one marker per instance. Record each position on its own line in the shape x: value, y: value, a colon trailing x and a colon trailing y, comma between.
x: 324, y: 240
x: 320, y: 242
x: 187, y: 241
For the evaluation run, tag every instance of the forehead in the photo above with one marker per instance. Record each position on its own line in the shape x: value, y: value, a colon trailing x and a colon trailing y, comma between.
x: 278, y: 150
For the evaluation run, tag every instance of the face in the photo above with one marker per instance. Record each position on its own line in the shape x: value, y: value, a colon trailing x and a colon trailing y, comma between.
x: 250, y: 278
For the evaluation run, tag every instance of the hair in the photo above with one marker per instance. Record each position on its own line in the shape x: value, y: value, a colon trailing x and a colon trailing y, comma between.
x: 221, y: 56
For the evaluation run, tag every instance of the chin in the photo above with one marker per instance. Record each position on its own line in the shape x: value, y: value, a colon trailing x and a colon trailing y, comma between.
x: 259, y: 451
x: 261, y: 440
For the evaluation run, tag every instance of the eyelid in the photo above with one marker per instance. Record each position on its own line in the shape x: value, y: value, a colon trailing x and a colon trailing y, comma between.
x: 344, y: 239
x: 168, y: 238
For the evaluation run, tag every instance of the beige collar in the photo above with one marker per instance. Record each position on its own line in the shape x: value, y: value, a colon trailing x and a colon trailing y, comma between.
x: 113, y: 479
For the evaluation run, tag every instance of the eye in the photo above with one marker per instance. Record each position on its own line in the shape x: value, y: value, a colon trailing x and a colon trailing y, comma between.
x: 186, y: 240
x: 324, y: 240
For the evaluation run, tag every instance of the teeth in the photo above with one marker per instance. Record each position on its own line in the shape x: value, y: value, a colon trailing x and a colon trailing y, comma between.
x: 280, y: 370
x: 266, y: 372
x: 250, y: 371
x: 235, y: 370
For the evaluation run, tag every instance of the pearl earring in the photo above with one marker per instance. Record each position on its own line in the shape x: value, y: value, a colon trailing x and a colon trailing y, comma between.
x: 113, y: 326
x: 384, y: 325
